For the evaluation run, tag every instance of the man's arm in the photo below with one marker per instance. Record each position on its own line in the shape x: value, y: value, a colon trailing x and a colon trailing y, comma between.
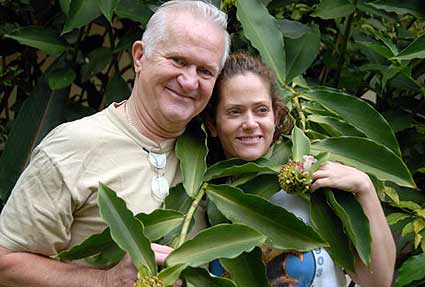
x: 349, y: 179
x: 26, y: 269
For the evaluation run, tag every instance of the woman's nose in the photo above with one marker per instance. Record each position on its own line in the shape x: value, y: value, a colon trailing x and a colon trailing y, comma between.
x: 250, y: 122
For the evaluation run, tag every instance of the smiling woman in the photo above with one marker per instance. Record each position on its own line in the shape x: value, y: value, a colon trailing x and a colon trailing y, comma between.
x: 245, y: 112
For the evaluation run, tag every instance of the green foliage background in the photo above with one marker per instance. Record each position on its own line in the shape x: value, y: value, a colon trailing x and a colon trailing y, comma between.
x: 62, y: 60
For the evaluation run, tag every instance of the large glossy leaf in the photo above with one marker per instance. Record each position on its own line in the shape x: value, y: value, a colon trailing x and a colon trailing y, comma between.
x: 331, y: 9
x: 65, y: 6
x: 264, y: 185
x: 283, y: 229
x: 368, y: 156
x: 178, y: 199
x: 117, y: 90
x: 202, y: 278
x: 229, y: 240
x: 411, y: 270
x: 247, y: 269
x: 235, y: 167
x: 61, y: 78
x: 330, y: 227
x: 97, y: 60
x: 126, y: 230
x: 335, y: 127
x: 134, y: 10
x: 80, y: 13
x: 357, y: 113
x: 301, y: 52
x: 355, y: 222
x: 300, y: 144
x: 262, y: 31
x: 40, y: 113
x: 415, y: 50
x: 292, y: 29
x: 378, y: 48
x: 107, y: 7
x: 281, y: 153
x: 414, y: 7
x: 192, y: 150
x: 171, y: 274
x: 40, y: 38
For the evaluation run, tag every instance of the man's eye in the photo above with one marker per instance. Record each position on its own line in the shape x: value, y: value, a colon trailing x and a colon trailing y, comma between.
x: 178, y: 62
x: 205, y: 73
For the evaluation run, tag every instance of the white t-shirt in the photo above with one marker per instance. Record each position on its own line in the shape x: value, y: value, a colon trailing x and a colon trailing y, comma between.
x: 54, y: 203
x: 296, y: 269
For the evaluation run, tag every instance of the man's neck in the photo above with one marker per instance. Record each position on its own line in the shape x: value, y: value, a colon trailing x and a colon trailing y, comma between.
x: 147, y: 126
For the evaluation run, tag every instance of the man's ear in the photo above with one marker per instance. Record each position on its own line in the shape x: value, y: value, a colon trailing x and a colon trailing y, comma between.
x: 137, y: 52
x: 211, y: 127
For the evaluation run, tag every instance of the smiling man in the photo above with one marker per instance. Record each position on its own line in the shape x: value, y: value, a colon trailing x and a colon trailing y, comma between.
x: 129, y: 146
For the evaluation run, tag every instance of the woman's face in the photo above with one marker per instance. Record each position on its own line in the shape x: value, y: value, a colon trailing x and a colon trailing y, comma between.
x: 244, y: 120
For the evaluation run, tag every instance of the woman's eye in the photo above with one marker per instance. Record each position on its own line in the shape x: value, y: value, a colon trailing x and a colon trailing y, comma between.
x: 233, y: 112
x: 263, y: 110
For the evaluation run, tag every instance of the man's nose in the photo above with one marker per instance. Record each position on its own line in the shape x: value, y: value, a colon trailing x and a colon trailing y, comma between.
x: 188, y: 78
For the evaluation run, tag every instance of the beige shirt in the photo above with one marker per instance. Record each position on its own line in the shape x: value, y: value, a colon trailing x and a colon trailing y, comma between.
x: 54, y: 203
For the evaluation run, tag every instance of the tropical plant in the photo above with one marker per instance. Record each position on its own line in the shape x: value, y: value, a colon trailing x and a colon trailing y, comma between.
x: 326, y: 54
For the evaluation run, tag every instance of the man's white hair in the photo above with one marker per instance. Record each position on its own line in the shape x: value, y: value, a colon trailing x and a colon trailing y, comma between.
x: 156, y: 28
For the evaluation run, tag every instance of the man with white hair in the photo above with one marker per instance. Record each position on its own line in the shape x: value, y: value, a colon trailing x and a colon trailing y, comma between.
x: 129, y: 146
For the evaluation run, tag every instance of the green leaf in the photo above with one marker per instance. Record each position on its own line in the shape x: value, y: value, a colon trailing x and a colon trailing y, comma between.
x: 109, y: 257
x: 178, y: 199
x: 39, y: 114
x: 81, y: 12
x: 231, y: 167
x: 411, y: 270
x: 414, y: 7
x: 65, y: 6
x: 378, y: 48
x: 283, y: 229
x: 292, y: 29
x: 97, y: 60
x: 117, y: 90
x: 126, y: 42
x: 262, y: 31
x: 201, y: 277
x: 40, y: 38
x: 160, y: 222
x: 330, y: 228
x: 415, y: 50
x: 61, y: 78
x: 300, y: 144
x: 367, y: 156
x: 91, y: 246
x: 300, y: 53
x: 247, y: 269
x: 264, y: 185
x: 156, y: 225
x: 107, y: 7
x: 357, y: 113
x: 281, y: 153
x: 126, y: 230
x: 331, y: 9
x: 171, y: 274
x: 134, y: 10
x: 192, y: 150
x: 355, y: 222
x: 229, y: 240
x: 393, y: 218
x: 335, y: 127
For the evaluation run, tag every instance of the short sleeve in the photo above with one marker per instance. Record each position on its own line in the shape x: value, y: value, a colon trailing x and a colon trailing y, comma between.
x: 38, y: 216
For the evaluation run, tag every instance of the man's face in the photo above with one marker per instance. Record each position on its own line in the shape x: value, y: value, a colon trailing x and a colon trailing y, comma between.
x: 176, y: 81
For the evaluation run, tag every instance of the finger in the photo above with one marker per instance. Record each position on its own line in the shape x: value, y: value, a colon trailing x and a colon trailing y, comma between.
x: 161, y: 248
x: 321, y: 182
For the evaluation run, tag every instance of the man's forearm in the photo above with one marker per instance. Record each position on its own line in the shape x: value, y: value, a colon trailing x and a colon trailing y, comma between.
x: 30, y: 270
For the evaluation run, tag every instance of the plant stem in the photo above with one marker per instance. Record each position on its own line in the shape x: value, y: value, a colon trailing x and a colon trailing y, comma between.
x: 296, y: 102
x: 190, y: 214
x: 346, y: 37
